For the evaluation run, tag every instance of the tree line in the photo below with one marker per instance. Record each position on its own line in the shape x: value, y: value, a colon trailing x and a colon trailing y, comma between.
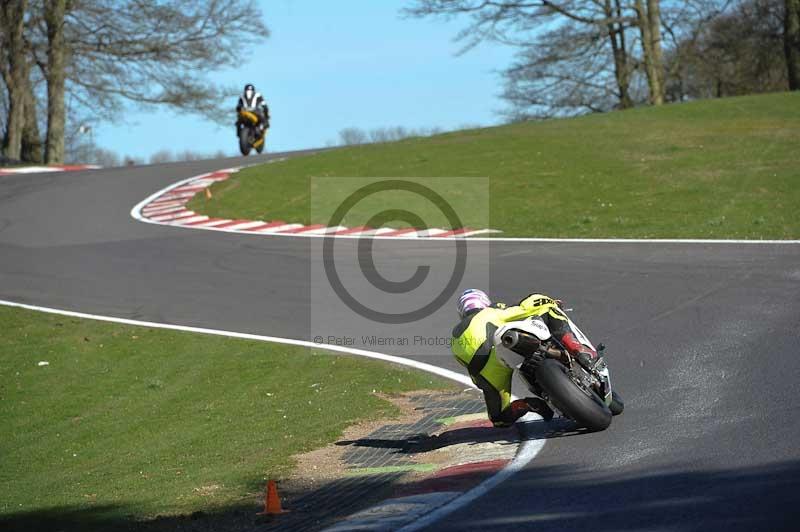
x: 65, y: 63
x: 577, y: 56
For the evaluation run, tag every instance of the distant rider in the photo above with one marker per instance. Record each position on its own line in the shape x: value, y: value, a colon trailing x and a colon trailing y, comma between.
x: 473, y: 346
x: 252, y: 101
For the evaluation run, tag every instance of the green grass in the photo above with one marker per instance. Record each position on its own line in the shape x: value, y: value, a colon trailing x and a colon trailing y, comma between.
x: 126, y: 423
x: 711, y: 169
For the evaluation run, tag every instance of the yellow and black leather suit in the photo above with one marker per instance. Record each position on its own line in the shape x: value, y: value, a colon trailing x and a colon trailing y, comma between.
x: 473, y: 346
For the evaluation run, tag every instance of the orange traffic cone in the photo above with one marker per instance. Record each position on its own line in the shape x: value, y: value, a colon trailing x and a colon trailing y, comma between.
x: 208, y: 193
x: 272, y: 503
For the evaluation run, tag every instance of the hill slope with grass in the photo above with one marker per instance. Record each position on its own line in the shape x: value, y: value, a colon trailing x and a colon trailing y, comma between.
x: 710, y: 169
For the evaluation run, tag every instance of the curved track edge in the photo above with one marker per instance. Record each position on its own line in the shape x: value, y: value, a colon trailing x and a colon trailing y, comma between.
x: 298, y: 230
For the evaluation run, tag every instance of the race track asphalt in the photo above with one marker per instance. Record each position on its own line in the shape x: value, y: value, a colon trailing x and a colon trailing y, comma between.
x: 703, y: 340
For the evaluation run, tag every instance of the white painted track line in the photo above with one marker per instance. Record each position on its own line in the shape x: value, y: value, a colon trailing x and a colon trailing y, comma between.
x: 245, y: 225
x: 442, y: 372
x: 192, y: 219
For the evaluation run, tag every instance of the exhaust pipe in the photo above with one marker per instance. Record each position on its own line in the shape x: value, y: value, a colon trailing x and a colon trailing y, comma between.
x: 520, y: 342
x: 510, y: 339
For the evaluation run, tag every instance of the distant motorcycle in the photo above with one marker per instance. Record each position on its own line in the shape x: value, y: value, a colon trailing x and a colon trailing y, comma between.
x: 250, y: 134
x: 555, y: 376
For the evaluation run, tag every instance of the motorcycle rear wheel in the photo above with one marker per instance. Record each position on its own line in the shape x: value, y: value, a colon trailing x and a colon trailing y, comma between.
x: 244, y: 140
x: 587, y: 410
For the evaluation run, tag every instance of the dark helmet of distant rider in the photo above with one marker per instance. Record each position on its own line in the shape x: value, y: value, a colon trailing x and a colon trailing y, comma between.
x: 249, y: 95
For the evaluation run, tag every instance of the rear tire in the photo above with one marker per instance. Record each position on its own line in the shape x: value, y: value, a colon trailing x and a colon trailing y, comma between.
x: 565, y: 395
x: 244, y: 140
x: 617, y: 404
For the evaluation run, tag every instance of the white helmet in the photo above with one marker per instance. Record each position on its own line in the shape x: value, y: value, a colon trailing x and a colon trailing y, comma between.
x: 471, y: 299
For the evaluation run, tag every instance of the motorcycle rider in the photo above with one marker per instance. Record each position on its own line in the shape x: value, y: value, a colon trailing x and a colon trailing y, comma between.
x: 252, y: 101
x: 473, y: 346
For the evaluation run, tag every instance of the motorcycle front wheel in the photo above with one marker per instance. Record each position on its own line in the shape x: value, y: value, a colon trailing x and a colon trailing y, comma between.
x: 584, y: 407
x: 617, y: 404
x: 244, y: 141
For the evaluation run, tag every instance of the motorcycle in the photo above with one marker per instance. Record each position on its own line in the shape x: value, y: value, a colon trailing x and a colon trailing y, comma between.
x: 250, y: 134
x: 553, y: 374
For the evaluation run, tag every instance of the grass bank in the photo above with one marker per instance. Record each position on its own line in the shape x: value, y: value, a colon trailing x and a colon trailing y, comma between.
x: 710, y: 169
x: 127, y: 423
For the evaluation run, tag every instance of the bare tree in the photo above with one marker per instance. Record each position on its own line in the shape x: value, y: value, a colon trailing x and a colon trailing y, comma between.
x: 380, y: 134
x: 55, y: 73
x: 166, y: 156
x: 31, y: 138
x: 104, y: 158
x: 649, y: 22
x: 594, y: 64
x: 352, y: 136
x: 685, y: 24
x: 12, y: 13
x: 21, y: 137
x: 791, y: 42
x: 566, y: 71
x: 190, y: 155
x: 132, y: 160
x: 162, y: 156
x: 737, y: 52
x: 574, y: 56
x: 623, y: 67
x: 3, y: 102
x: 588, y: 55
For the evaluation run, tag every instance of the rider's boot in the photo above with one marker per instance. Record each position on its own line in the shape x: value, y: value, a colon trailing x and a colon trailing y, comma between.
x: 585, y: 355
x: 515, y: 410
x: 540, y: 407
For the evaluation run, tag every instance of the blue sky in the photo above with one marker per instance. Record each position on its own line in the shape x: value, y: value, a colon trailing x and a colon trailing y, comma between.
x: 330, y: 65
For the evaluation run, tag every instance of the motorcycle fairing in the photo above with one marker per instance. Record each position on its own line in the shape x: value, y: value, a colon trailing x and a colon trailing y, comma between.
x: 534, y: 325
x: 251, y: 117
x: 582, y: 338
